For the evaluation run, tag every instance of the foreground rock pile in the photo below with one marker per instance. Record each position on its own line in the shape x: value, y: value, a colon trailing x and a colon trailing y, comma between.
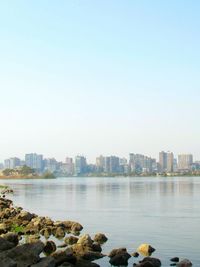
x: 26, y: 240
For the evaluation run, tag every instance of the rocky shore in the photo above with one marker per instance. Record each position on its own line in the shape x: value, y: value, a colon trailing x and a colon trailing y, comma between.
x: 28, y: 240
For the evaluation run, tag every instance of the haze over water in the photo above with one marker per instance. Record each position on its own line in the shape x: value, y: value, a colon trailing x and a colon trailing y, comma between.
x: 164, y: 212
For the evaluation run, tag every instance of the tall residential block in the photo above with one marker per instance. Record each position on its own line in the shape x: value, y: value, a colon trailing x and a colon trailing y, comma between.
x: 34, y: 161
x: 185, y: 161
x: 166, y: 161
x: 80, y: 165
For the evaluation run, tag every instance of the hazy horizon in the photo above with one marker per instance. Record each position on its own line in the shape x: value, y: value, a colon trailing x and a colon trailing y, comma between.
x: 91, y: 78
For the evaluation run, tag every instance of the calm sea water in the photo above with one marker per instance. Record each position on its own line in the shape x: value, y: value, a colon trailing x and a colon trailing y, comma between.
x: 164, y: 212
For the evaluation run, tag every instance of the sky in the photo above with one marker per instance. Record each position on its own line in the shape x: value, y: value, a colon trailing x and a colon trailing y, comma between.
x: 99, y: 77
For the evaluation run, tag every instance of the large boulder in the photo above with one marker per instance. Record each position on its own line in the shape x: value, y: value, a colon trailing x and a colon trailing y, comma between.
x: 120, y: 259
x: 24, y: 255
x: 64, y: 256
x: 5, y: 244
x: 145, y: 250
x: 11, y: 237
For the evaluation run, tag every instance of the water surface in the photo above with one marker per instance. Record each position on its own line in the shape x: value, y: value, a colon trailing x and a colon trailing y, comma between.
x: 164, y: 212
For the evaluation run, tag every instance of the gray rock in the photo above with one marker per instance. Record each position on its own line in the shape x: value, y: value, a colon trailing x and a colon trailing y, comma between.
x: 148, y: 261
x: 24, y: 255
x: 11, y: 237
x: 85, y: 263
x: 5, y: 245
x: 92, y: 255
x: 7, y: 262
x: 45, y: 262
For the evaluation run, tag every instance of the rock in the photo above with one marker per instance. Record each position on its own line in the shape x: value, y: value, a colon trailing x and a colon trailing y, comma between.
x: 70, y: 240
x: 7, y: 262
x: 45, y: 262
x: 60, y: 232
x: 145, y: 250
x: 85, y: 240
x: 49, y: 248
x: 100, y: 238
x: 96, y: 247
x: 5, y: 245
x: 92, y: 255
x: 117, y: 251
x: 63, y: 245
x: 26, y: 216
x: 184, y: 263
x: 120, y: 259
x: 24, y: 255
x: 175, y: 259
x: 64, y: 256
x: 76, y: 227
x: 46, y: 232
x: 67, y: 264
x: 151, y: 262
x: 32, y: 238
x: 84, y: 263
x: 135, y: 254
x: 11, y: 237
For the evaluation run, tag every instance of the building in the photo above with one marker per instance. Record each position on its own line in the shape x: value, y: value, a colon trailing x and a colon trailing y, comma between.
x: 34, y: 161
x: 139, y: 163
x: 80, y: 165
x: 184, y: 162
x: 12, y: 163
x: 166, y: 161
x: 50, y: 165
x: 100, y: 163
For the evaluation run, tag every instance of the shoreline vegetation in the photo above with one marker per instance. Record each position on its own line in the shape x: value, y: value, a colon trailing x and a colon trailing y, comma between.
x: 29, y: 240
x: 26, y: 172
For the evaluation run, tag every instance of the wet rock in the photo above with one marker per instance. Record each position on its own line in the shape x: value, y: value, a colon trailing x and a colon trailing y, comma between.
x: 45, y: 262
x: 120, y: 259
x: 175, y: 259
x: 5, y: 245
x: 117, y: 251
x: 71, y: 240
x: 85, y: 240
x: 11, y: 237
x: 50, y: 247
x: 100, y: 238
x: 184, y: 263
x: 151, y: 262
x: 24, y: 255
x: 64, y: 256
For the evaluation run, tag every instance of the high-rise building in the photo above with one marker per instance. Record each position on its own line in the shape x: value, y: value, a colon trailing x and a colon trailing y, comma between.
x: 69, y: 166
x: 34, y: 161
x: 185, y: 161
x: 141, y: 164
x: 50, y: 165
x: 100, y: 163
x: 12, y: 163
x: 166, y: 161
x: 80, y: 165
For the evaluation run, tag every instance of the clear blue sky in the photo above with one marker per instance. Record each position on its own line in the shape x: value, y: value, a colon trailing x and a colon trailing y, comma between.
x: 99, y: 77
